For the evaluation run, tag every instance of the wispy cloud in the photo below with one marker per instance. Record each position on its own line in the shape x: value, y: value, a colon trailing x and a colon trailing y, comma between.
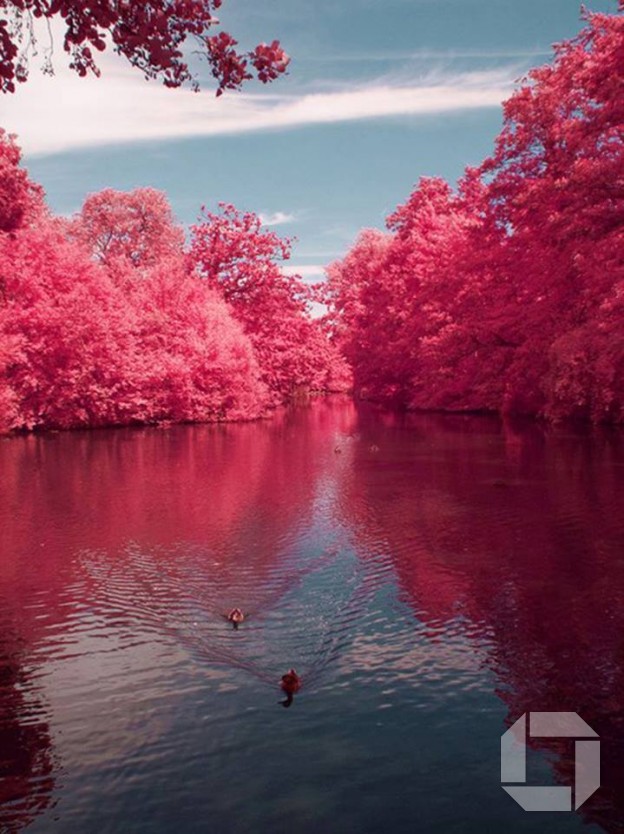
x: 53, y: 115
x: 427, y: 55
x: 276, y: 218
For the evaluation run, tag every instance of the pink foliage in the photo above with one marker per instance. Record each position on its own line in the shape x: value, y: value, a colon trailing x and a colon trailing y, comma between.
x: 357, y: 317
x: 503, y: 295
x: 134, y: 228
x: 105, y: 321
x: 557, y: 195
x: 235, y: 255
x: 19, y: 197
x: 70, y: 345
x: 86, y: 350
x: 507, y: 295
x: 193, y: 361
x: 150, y: 34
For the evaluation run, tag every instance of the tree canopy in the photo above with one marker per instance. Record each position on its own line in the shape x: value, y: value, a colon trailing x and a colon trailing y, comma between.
x: 109, y: 318
x: 507, y: 294
x: 151, y: 35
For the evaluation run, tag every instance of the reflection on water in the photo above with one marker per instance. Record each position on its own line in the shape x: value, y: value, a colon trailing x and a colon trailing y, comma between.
x: 430, y: 578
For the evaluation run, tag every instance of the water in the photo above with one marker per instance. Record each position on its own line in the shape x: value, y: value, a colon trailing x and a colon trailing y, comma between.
x: 431, y: 579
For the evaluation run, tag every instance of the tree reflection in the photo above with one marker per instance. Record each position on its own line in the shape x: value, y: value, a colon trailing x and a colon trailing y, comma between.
x: 509, y: 531
x: 187, y: 522
x: 517, y: 532
x: 26, y: 757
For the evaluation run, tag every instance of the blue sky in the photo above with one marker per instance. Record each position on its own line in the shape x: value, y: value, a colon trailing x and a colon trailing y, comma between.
x: 378, y: 94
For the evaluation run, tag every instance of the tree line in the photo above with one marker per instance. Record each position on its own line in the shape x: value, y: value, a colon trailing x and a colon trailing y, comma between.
x: 112, y: 317
x: 507, y: 293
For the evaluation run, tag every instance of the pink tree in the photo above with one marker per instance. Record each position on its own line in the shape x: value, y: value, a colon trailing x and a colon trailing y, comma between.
x: 151, y: 35
x: 557, y: 195
x: 233, y: 253
x: 354, y: 317
x: 81, y: 348
x: 65, y: 332
x: 193, y: 362
x: 393, y: 294
x: 20, y: 201
x: 131, y: 229
x: 507, y: 295
x: 20, y: 198
x: 100, y: 322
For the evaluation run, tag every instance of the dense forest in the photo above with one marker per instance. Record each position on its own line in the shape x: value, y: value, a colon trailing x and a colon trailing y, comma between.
x: 113, y: 317
x: 504, y: 294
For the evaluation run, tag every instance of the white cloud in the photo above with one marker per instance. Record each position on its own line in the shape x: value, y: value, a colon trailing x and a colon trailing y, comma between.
x: 63, y: 113
x: 326, y: 253
x: 305, y: 270
x: 276, y: 218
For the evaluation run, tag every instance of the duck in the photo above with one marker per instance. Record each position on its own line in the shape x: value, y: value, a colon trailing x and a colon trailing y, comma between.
x: 236, y: 617
x: 291, y: 682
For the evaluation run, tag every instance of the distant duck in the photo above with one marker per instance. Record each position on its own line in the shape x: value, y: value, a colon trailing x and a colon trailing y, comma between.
x: 236, y: 617
x: 374, y: 448
x: 337, y: 450
x: 290, y: 683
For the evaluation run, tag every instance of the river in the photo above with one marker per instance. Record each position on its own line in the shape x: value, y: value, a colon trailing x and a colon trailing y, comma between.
x: 431, y: 579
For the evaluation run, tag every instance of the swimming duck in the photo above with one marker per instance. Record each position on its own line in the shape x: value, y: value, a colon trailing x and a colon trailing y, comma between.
x: 235, y: 617
x: 290, y: 682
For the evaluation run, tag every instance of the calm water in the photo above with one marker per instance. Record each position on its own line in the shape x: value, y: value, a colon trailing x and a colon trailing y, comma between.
x: 431, y: 579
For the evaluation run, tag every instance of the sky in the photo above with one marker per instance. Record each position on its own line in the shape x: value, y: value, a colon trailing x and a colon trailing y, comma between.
x: 377, y: 96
